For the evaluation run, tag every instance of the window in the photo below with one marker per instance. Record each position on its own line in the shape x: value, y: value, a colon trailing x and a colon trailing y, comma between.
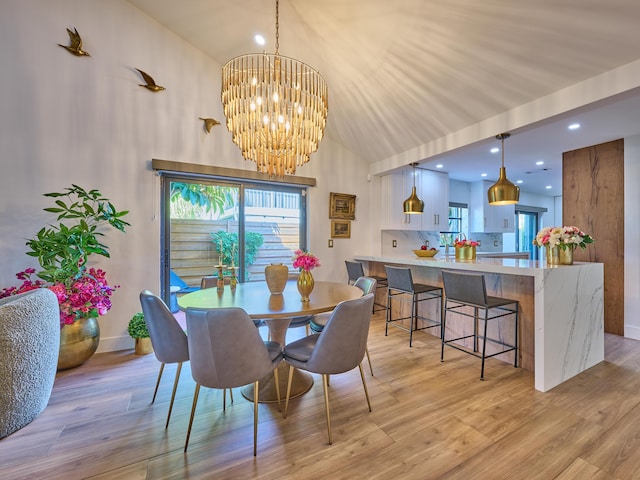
x: 208, y: 221
x: 458, y: 223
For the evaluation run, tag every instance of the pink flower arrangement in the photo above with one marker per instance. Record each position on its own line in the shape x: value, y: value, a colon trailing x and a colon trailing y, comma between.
x: 305, y: 260
x: 563, y: 237
x: 82, y: 297
x: 465, y: 243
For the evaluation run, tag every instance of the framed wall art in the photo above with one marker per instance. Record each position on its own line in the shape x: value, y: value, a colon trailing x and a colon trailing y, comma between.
x: 342, y: 206
x: 340, y: 229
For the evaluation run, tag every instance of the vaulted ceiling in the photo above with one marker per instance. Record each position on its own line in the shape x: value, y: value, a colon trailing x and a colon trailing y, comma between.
x: 435, y: 80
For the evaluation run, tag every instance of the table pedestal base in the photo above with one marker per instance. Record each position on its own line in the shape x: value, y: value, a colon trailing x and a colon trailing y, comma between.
x: 300, y: 384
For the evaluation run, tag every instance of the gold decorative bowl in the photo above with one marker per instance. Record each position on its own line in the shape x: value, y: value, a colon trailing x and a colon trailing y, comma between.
x: 425, y: 253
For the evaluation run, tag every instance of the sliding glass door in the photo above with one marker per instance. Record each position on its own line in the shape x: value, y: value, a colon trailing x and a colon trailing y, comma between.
x: 526, y: 229
x: 209, y: 222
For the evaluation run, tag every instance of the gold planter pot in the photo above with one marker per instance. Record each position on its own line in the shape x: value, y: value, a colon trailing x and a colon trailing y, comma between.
x: 143, y: 346
x: 466, y: 253
x: 78, y: 342
x: 559, y: 256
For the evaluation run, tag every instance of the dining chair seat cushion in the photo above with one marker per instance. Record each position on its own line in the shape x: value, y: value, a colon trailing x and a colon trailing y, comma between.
x: 274, y: 349
x: 300, y: 321
x: 300, y: 350
x: 319, y: 321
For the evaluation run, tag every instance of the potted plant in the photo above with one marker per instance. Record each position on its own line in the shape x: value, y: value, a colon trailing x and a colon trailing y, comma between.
x: 138, y: 330
x: 63, y: 253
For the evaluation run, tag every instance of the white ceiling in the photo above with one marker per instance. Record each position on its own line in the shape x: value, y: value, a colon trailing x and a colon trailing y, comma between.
x: 410, y: 78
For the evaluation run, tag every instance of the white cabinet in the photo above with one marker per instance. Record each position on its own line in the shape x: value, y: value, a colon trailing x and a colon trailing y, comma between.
x: 432, y: 188
x: 485, y: 218
x: 434, y: 191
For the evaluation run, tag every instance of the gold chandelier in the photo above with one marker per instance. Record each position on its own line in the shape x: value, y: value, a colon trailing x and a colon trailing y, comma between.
x: 503, y: 192
x: 276, y: 109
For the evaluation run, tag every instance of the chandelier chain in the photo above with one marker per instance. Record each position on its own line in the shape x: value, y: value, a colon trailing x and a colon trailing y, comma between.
x: 277, y: 26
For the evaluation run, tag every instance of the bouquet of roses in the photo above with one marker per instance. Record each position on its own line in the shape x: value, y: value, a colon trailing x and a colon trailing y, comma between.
x: 305, y: 260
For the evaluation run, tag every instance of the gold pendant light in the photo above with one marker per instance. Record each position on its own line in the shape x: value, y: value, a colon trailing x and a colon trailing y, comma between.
x: 503, y: 192
x: 276, y: 109
x: 413, y: 204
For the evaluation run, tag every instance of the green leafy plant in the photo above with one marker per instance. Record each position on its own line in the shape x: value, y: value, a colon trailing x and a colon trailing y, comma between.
x: 138, y: 327
x: 62, y: 250
x: 252, y: 242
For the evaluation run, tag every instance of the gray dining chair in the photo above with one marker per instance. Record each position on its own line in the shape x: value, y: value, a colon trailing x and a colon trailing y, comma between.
x: 167, y: 338
x: 339, y: 349
x: 319, y: 321
x: 227, y: 351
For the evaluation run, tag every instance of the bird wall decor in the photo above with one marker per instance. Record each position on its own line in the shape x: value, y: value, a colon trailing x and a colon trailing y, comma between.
x: 149, y: 84
x: 209, y: 123
x: 75, y: 44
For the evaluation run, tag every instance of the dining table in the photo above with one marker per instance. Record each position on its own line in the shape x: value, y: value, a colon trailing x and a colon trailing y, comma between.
x: 276, y: 311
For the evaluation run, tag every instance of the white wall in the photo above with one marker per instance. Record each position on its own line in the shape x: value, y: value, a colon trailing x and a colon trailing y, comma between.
x: 631, y: 235
x: 66, y: 119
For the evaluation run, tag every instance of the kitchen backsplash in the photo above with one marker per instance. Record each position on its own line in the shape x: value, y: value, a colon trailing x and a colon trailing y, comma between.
x: 412, y: 240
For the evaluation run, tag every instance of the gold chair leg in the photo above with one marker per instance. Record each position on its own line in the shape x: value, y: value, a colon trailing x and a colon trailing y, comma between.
x: 193, y: 411
x: 366, y: 350
x: 286, y: 402
x: 364, y: 384
x: 326, y: 404
x: 173, y: 393
x: 255, y: 417
x: 155, y: 392
x: 277, y: 380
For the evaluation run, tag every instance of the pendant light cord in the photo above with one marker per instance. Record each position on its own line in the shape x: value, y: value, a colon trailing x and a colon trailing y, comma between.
x: 277, y: 26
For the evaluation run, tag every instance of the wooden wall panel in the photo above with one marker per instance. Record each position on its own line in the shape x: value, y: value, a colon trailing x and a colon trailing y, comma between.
x: 593, y: 199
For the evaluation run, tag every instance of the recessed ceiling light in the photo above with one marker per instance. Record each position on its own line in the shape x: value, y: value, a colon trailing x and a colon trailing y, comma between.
x: 494, y: 150
x: 574, y: 126
x: 439, y: 165
x: 259, y: 39
x: 539, y: 162
x: 483, y: 174
x: 548, y: 187
x: 518, y: 181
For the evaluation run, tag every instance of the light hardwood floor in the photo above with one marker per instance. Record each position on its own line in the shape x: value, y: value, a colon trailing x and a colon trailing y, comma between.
x: 430, y: 420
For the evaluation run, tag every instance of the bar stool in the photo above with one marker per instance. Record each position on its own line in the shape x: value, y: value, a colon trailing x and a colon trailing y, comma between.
x: 355, y: 270
x: 400, y: 282
x: 464, y: 289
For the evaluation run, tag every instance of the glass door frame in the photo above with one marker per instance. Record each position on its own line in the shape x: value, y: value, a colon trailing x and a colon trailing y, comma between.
x: 166, y: 178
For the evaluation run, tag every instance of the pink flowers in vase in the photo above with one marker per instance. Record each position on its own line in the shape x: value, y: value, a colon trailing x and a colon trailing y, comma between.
x: 563, y: 237
x: 305, y: 260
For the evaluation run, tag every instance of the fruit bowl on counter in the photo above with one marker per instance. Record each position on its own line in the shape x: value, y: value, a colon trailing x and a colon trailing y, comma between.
x: 426, y: 252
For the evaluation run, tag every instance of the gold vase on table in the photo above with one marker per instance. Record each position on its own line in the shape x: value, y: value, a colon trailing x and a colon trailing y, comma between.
x: 559, y: 256
x: 305, y: 284
x: 78, y: 342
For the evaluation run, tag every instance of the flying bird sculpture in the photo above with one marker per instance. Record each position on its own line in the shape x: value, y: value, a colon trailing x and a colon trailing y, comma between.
x: 209, y: 123
x: 75, y: 44
x: 150, y: 83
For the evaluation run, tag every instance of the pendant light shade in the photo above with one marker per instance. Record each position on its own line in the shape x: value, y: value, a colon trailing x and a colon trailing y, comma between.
x: 503, y: 192
x: 413, y: 204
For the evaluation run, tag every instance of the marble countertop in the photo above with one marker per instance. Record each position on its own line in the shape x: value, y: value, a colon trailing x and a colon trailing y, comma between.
x: 513, y: 266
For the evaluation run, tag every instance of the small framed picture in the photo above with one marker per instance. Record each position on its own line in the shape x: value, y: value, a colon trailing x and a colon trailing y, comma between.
x: 342, y: 206
x: 340, y: 229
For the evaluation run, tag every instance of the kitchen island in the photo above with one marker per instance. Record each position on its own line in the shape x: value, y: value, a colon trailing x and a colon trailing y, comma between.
x: 561, y: 307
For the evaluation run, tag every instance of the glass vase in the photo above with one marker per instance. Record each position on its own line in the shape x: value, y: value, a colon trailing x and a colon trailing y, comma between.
x: 305, y: 285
